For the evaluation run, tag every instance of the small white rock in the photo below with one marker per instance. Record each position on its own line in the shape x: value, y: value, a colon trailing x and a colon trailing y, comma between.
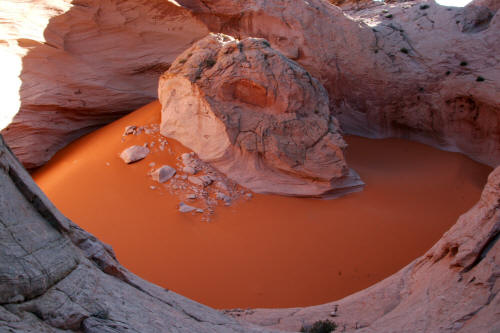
x: 163, y: 174
x: 222, y: 186
x: 183, y: 208
x: 134, y: 154
x: 223, y: 197
x: 200, y: 181
x: 129, y: 130
x: 186, y: 157
x: 189, y: 170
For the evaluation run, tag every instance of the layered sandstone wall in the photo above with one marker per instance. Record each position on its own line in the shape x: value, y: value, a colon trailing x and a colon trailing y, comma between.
x: 81, y: 64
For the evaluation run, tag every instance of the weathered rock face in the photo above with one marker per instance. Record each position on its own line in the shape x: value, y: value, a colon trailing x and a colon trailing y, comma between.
x: 454, y: 287
x: 412, y: 69
x: 256, y: 116
x: 82, y: 64
x: 55, y: 276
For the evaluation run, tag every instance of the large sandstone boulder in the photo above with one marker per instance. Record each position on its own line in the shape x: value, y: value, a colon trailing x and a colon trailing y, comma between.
x: 69, y: 67
x: 56, y: 277
x: 256, y: 116
x: 410, y: 69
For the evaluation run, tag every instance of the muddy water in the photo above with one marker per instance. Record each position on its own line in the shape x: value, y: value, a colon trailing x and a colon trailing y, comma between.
x: 269, y: 251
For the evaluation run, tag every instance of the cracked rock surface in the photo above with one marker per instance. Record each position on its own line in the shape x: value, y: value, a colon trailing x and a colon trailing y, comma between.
x: 256, y: 116
x: 56, y: 277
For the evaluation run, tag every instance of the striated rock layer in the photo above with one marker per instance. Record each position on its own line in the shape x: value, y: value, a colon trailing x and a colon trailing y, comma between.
x: 82, y: 64
x: 256, y: 116
x: 411, y: 69
x: 56, y: 277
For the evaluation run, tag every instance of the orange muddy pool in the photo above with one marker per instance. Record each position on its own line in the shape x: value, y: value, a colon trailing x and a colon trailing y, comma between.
x: 268, y: 251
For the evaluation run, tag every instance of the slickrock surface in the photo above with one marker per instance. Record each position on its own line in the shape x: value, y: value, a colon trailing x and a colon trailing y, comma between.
x: 257, y: 117
x: 411, y: 69
x: 57, y: 277
x: 72, y: 66
x: 454, y: 287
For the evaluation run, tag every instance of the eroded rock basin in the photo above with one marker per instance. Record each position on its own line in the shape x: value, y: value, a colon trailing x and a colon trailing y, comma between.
x: 268, y: 251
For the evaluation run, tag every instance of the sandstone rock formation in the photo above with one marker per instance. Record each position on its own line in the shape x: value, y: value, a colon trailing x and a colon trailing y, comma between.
x: 72, y: 66
x: 409, y: 69
x: 454, y: 287
x: 256, y: 116
x: 56, y: 277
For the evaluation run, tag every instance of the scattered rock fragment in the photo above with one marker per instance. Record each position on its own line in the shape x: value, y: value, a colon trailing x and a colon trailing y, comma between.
x: 200, y: 181
x: 222, y: 186
x: 189, y: 170
x: 134, y: 153
x: 183, y: 208
x: 163, y: 174
x: 223, y: 197
x: 130, y: 130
